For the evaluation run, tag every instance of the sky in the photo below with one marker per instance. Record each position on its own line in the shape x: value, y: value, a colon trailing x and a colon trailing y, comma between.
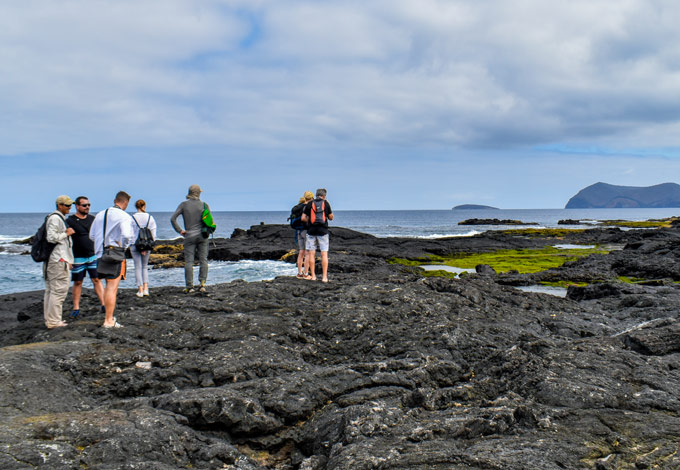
x: 388, y: 104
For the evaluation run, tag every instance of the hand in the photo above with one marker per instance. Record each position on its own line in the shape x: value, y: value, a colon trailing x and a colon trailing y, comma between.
x: 70, y: 231
x: 182, y: 232
x: 143, y: 253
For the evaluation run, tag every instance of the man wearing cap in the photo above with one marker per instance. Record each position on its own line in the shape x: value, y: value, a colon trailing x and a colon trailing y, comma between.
x: 57, y: 269
x: 191, y: 211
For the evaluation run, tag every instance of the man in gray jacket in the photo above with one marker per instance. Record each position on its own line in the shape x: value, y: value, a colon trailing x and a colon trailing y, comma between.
x: 191, y: 211
x: 57, y: 269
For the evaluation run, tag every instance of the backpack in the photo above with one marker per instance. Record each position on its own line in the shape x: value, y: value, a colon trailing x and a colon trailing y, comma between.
x: 296, y: 217
x: 41, y: 249
x: 318, y: 213
x: 145, y: 241
x: 209, y: 225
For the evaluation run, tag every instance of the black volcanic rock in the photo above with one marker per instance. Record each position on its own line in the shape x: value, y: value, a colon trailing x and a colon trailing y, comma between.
x: 494, y: 222
x: 380, y: 368
x: 603, y: 195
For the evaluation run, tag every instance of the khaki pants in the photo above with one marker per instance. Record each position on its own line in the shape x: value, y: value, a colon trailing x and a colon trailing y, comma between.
x: 57, y: 281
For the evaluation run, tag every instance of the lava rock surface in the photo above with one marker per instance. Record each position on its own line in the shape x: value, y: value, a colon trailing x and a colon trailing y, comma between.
x: 381, y: 368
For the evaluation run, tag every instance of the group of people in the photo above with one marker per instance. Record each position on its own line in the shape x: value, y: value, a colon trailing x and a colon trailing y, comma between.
x: 316, y: 212
x: 81, y: 239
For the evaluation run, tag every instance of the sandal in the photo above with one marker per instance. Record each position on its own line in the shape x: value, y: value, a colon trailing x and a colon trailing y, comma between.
x: 115, y: 325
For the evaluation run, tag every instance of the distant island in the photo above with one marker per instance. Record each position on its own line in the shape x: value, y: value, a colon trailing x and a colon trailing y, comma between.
x: 470, y: 207
x: 603, y: 195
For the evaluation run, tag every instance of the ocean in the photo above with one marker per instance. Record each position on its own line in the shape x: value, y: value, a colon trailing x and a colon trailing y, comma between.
x: 21, y: 273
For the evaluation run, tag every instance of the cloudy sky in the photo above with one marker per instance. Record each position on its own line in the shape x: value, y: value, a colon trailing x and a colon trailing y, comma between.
x: 389, y: 104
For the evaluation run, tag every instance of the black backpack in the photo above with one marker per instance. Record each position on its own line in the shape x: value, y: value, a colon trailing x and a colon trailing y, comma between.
x: 145, y: 241
x: 296, y: 217
x: 318, y: 213
x: 41, y: 249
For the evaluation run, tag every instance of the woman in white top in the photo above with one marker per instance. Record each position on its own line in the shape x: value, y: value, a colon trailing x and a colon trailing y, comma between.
x: 141, y: 258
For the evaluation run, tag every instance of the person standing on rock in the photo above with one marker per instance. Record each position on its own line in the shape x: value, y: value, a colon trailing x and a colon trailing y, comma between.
x: 119, y: 233
x: 57, y: 269
x: 141, y: 258
x: 316, y: 214
x: 301, y: 236
x: 84, y: 259
x: 191, y: 211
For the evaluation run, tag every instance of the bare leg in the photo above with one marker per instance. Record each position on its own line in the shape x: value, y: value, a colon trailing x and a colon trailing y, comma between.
x: 324, y: 266
x: 301, y: 261
x: 311, y: 264
x: 110, y: 293
x: 98, y: 289
x: 77, y: 291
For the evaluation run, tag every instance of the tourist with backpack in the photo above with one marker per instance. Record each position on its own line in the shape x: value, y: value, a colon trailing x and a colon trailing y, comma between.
x: 84, y: 259
x: 316, y: 214
x: 300, y: 228
x: 144, y: 228
x: 112, y: 233
x: 57, y: 267
x: 198, y: 226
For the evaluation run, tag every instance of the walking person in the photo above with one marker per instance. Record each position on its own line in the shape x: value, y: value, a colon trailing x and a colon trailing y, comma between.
x: 141, y: 258
x: 112, y: 228
x: 84, y: 259
x: 316, y: 214
x: 195, y: 243
x: 57, y: 269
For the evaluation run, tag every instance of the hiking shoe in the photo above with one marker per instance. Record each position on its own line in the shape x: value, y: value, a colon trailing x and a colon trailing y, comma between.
x: 189, y: 290
x: 201, y: 289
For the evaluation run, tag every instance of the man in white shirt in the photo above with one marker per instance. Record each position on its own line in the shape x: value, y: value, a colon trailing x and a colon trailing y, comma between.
x: 57, y: 269
x: 119, y: 232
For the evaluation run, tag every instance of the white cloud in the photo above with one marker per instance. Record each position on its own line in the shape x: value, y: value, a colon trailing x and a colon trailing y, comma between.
x: 95, y: 73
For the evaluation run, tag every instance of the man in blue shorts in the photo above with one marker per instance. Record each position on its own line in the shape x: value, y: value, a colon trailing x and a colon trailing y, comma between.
x: 316, y: 214
x: 83, y: 253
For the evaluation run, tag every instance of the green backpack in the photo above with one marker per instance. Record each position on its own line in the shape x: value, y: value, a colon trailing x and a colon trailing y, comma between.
x: 208, y: 222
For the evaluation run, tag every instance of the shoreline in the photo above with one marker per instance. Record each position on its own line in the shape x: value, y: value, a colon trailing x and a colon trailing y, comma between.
x: 381, y: 364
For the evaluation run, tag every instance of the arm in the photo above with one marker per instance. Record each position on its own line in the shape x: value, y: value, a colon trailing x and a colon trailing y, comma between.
x: 127, y: 233
x: 329, y: 211
x: 173, y: 219
x: 152, y: 226
x: 55, y: 233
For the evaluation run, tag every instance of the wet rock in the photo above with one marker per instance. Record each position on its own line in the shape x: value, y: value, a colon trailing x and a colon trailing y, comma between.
x: 485, y: 270
x: 381, y: 368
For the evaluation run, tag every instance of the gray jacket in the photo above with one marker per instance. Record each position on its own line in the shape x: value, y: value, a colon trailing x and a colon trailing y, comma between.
x: 191, y: 211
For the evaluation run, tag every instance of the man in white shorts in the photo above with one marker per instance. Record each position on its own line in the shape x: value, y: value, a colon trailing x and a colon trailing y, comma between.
x: 316, y: 215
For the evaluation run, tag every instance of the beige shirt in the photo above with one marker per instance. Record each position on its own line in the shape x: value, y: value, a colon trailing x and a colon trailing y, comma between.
x: 56, y: 233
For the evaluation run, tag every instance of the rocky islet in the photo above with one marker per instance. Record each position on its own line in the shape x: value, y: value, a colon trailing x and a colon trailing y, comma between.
x: 381, y: 368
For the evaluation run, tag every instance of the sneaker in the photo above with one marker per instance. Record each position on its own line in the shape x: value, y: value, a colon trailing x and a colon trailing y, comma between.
x: 139, y: 294
x: 146, y: 292
x: 189, y: 290
x: 202, y: 288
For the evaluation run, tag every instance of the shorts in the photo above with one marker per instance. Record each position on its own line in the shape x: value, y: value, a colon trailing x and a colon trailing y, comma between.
x: 119, y: 275
x: 314, y: 240
x: 87, y: 265
x: 302, y: 239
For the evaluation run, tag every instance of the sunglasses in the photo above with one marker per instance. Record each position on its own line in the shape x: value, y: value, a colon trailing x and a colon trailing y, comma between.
x: 84, y: 205
x: 66, y: 205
